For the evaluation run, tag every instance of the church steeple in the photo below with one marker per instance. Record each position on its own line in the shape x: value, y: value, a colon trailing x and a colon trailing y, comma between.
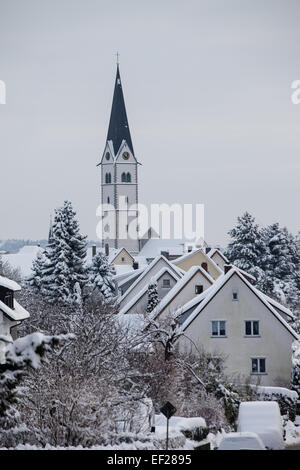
x: 118, y: 129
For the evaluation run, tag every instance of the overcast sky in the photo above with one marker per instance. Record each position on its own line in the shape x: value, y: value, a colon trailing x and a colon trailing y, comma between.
x: 207, y: 86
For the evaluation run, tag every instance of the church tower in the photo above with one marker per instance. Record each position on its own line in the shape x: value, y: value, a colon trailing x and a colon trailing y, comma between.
x: 119, y: 178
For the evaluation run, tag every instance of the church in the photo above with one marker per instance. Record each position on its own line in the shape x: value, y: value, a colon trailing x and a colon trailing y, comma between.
x: 119, y: 178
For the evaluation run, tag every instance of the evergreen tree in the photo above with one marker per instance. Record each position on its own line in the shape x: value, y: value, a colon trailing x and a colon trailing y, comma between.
x: 63, y: 272
x: 153, y: 299
x: 101, y: 276
x: 295, y: 380
x: 37, y: 268
x: 247, y: 247
x: 281, y: 264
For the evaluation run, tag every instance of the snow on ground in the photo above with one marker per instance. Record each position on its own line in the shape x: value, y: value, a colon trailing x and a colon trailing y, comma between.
x: 292, y: 433
x: 23, y: 259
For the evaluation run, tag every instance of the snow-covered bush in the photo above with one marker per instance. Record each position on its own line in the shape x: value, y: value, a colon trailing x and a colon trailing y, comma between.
x: 101, y: 276
x: 295, y: 379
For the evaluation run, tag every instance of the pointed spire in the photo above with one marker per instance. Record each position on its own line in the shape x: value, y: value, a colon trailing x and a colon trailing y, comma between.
x: 118, y: 129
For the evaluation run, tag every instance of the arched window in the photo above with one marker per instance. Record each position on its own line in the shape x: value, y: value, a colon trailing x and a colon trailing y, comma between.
x: 128, y: 178
x: 123, y: 178
x: 108, y: 178
x: 108, y: 200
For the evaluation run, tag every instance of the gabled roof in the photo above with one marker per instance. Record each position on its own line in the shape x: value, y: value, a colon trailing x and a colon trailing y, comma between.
x: 217, y: 286
x: 178, y: 288
x: 214, y: 251
x: 113, y: 256
x: 9, y: 284
x: 147, y: 269
x: 118, y: 129
x: 191, y: 253
x: 156, y: 276
x: 16, y: 314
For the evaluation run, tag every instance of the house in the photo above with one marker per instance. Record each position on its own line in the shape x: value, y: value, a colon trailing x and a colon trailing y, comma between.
x: 217, y: 256
x: 145, y: 277
x: 166, y: 281
x: 234, y: 320
x: 11, y: 313
x: 199, y: 258
x: 195, y: 281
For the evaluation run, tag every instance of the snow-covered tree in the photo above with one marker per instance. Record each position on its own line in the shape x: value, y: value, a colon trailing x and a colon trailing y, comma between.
x: 63, y: 273
x: 29, y: 351
x: 153, y: 299
x: 295, y: 379
x: 101, y: 274
x: 247, y: 246
x: 37, y: 269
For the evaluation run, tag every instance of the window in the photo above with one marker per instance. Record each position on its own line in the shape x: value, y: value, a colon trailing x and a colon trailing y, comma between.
x: 235, y: 296
x: 8, y: 300
x: 122, y: 259
x: 108, y: 200
x: 108, y: 178
x: 251, y: 328
x: 198, y: 289
x: 166, y: 283
x: 107, y: 156
x: 218, y: 328
x: 128, y: 177
x: 204, y: 266
x: 123, y: 178
x: 258, y: 365
x: 125, y: 155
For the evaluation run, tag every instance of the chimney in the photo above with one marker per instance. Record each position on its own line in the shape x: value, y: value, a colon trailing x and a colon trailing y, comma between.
x: 135, y: 265
x: 207, y: 249
x: 94, y: 250
x: 106, y: 249
x: 204, y: 266
x: 227, y: 267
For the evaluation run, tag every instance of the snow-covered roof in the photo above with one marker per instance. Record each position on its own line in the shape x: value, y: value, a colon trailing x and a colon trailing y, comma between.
x: 191, y: 253
x: 178, y: 287
x: 214, y: 251
x: 17, y: 313
x: 156, y: 276
x: 113, y: 255
x: 155, y: 246
x: 9, y: 284
x: 147, y: 269
x: 218, y: 284
x: 280, y: 307
x: 122, y: 278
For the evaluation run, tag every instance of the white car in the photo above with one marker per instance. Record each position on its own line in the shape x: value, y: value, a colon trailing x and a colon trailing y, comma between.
x: 262, y: 418
x: 241, y: 441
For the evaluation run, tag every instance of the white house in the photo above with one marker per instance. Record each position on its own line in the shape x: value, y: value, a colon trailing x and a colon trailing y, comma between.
x: 11, y: 312
x: 235, y: 320
x: 143, y: 279
x: 195, y: 281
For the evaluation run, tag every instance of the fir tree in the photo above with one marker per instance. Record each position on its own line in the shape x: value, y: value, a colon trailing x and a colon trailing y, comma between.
x: 37, y: 268
x: 63, y: 272
x: 295, y: 379
x: 153, y: 299
x: 247, y: 246
x: 101, y: 276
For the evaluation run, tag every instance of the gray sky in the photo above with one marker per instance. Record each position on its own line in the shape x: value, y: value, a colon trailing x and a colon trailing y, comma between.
x: 207, y: 87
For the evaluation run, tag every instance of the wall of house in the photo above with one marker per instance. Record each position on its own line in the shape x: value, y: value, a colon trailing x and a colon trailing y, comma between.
x: 145, y: 281
x: 196, y: 260
x: 5, y: 326
x: 187, y: 293
x: 127, y: 258
x: 218, y: 260
x: 141, y: 304
x: 274, y: 342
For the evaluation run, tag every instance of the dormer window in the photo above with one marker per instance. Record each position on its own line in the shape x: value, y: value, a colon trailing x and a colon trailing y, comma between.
x: 107, y: 156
